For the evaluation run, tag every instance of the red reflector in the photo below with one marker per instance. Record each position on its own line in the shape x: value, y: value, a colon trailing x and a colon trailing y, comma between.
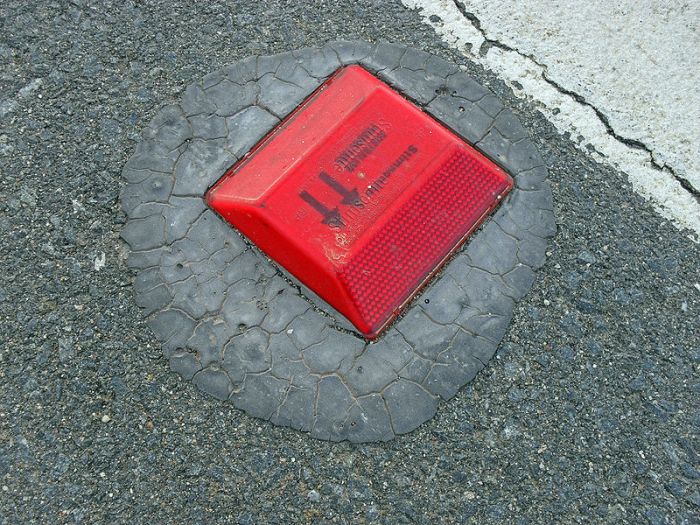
x: 360, y: 195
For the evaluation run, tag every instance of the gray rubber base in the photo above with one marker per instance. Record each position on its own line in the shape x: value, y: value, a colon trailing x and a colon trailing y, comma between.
x: 240, y: 329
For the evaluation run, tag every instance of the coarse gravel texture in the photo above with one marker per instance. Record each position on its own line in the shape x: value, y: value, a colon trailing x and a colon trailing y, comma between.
x: 231, y: 321
x: 589, y: 414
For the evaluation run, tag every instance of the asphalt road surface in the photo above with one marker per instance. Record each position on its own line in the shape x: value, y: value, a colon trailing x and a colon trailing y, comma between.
x: 589, y: 413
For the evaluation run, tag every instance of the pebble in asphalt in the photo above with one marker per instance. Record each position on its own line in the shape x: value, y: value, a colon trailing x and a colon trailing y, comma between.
x: 588, y: 414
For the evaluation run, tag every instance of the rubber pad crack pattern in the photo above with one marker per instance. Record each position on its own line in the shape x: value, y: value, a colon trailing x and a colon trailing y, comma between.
x: 241, y: 329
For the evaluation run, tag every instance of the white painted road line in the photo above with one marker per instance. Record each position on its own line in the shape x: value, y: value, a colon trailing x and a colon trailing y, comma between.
x: 659, y: 152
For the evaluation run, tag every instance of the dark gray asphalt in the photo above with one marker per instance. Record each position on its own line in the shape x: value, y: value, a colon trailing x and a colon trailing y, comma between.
x: 588, y: 415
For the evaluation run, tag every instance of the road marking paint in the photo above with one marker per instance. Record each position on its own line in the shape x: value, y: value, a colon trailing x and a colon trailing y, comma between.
x: 525, y: 77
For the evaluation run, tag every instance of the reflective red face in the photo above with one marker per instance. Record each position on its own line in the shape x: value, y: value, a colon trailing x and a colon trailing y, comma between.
x: 361, y: 196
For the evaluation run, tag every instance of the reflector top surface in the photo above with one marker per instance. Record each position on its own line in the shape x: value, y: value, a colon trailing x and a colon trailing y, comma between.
x: 360, y: 195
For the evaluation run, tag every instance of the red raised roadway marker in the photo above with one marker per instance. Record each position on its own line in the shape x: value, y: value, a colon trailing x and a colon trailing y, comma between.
x: 360, y: 195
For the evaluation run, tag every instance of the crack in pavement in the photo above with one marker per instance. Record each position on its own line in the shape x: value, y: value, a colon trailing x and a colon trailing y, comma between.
x: 632, y: 143
x: 671, y: 193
